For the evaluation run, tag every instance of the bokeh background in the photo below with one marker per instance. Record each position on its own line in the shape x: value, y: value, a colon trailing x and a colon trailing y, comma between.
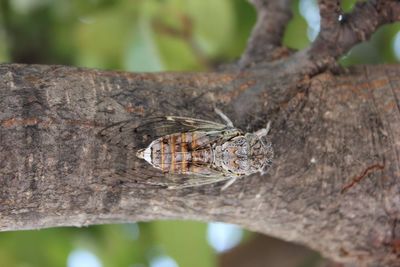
x: 155, y: 35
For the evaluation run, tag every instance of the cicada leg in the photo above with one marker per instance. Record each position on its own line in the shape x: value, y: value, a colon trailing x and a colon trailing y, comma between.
x: 224, y: 117
x: 264, y: 131
x: 229, y: 183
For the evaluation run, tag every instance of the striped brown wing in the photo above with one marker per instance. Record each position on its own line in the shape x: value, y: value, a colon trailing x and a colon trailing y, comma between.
x: 183, y: 153
x: 186, y: 159
x: 127, y: 137
x: 138, y: 132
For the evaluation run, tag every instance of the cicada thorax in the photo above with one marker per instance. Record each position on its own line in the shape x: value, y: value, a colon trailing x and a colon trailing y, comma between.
x: 243, y: 155
x: 180, y: 153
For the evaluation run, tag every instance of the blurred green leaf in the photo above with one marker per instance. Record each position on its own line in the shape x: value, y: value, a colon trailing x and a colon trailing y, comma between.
x: 177, y: 54
x: 102, y: 37
x: 244, y: 19
x: 4, y: 55
x: 295, y: 34
x: 142, y: 53
x: 118, y: 247
x: 35, y: 248
x: 185, y: 242
x: 347, y: 5
x: 213, y: 23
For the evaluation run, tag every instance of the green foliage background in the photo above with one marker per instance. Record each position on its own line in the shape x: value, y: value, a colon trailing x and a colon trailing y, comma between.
x: 138, y: 35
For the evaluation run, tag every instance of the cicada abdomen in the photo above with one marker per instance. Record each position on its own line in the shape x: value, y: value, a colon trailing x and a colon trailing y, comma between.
x: 180, y: 153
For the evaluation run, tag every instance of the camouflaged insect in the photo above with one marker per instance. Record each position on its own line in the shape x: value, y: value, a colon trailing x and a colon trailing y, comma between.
x: 208, y: 152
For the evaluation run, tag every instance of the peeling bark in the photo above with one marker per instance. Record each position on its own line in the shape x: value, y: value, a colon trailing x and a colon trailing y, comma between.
x: 55, y: 170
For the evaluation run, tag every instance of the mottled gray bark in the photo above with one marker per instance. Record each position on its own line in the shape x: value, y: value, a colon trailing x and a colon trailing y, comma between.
x: 334, y: 184
x: 56, y: 170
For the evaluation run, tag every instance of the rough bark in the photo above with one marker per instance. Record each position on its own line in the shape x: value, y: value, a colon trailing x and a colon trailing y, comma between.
x: 334, y: 184
x: 56, y: 170
x: 340, y: 32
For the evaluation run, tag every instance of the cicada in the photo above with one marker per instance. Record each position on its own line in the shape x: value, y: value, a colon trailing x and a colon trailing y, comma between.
x: 193, y: 152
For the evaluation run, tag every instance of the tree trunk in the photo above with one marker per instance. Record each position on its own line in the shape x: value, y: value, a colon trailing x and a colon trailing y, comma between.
x: 57, y: 170
x: 334, y: 183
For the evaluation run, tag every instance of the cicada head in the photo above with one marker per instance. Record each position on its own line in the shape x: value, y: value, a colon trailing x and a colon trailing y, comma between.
x: 246, y: 154
x: 260, y: 152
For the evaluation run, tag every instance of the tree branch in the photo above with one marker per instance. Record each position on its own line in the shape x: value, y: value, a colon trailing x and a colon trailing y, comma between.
x: 55, y: 169
x: 340, y: 32
x: 264, y: 250
x: 266, y: 37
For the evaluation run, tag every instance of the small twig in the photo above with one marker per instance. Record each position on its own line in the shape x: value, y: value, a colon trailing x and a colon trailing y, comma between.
x: 266, y: 37
x: 340, y: 32
x: 357, y: 179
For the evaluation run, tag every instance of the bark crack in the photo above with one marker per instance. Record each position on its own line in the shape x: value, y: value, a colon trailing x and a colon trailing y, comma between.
x: 365, y: 173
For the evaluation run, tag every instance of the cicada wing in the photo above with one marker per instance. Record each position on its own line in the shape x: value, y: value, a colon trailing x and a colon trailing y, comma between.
x: 178, y: 181
x: 147, y: 175
x: 196, y: 124
x: 135, y: 172
x: 124, y: 139
x: 212, y: 174
x: 135, y: 132
x: 162, y: 126
x: 121, y: 133
x: 200, y: 181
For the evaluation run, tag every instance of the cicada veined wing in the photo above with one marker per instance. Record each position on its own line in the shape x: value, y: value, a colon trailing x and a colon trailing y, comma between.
x: 185, y: 152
